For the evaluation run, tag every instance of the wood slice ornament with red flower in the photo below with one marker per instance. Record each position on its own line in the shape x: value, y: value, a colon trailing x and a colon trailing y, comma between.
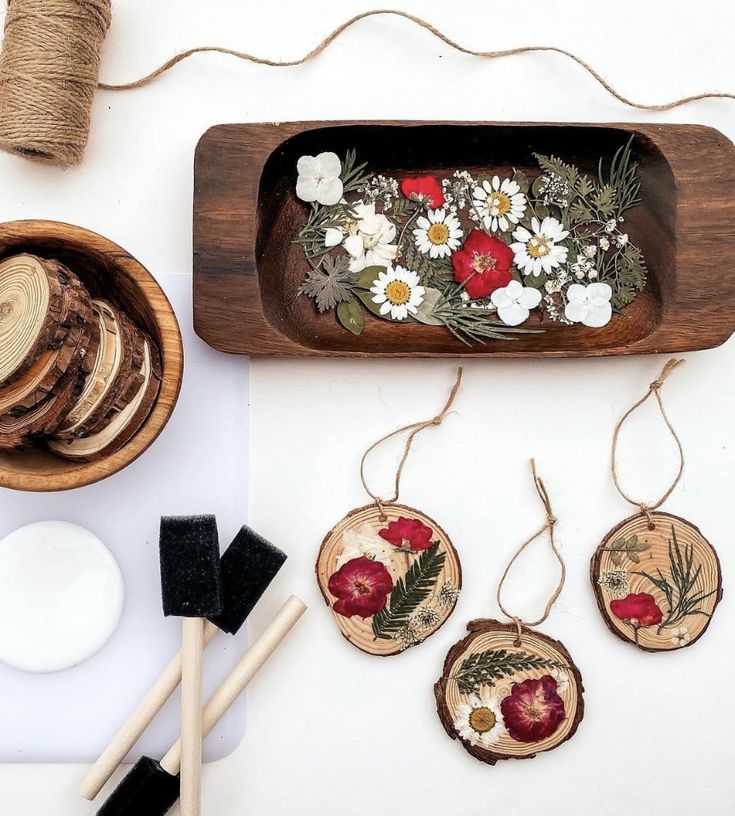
x: 507, y: 691
x: 388, y: 572
x: 656, y: 578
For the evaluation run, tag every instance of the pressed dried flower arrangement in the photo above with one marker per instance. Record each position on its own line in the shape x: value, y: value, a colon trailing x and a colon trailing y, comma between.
x: 255, y: 290
x: 475, y: 253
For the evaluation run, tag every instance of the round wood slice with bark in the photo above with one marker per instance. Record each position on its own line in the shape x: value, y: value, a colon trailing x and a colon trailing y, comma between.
x: 509, y: 695
x: 390, y: 575
x: 657, y: 581
x: 75, y: 374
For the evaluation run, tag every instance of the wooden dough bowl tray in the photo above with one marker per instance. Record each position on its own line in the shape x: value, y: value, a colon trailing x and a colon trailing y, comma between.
x: 247, y: 269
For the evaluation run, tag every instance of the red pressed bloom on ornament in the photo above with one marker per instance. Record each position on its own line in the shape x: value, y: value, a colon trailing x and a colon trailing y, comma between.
x: 361, y: 587
x: 426, y: 189
x: 483, y: 264
x: 533, y: 710
x: 638, y: 610
x: 408, y: 534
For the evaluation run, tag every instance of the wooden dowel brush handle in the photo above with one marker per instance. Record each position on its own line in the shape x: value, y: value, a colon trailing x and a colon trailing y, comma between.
x: 234, y: 684
x: 192, y: 648
x: 143, y: 715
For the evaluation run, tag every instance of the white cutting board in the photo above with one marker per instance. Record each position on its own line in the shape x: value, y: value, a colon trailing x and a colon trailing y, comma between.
x: 70, y: 716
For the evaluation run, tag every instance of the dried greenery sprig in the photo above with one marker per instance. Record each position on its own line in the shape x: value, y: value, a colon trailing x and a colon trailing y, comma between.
x: 486, y: 668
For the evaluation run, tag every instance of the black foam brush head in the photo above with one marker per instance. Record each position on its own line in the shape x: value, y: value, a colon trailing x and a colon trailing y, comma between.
x: 191, y: 580
x: 248, y: 566
x: 146, y: 790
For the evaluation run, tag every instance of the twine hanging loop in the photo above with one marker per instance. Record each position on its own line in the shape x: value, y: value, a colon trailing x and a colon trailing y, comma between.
x: 654, y: 388
x: 413, y: 430
x: 548, y: 525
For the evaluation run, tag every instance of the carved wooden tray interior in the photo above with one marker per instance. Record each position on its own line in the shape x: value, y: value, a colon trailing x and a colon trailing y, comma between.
x: 247, y: 269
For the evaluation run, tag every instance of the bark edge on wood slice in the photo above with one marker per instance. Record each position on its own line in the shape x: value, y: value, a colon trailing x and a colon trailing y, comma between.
x: 394, y: 627
x: 654, y: 550
x: 488, y: 635
x: 125, y: 423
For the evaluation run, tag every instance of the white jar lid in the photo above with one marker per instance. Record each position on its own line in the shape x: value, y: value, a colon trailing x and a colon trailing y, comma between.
x: 61, y: 596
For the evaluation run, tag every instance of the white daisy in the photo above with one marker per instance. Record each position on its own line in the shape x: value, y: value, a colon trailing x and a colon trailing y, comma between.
x: 367, y: 237
x: 437, y: 234
x: 398, y: 291
x: 363, y: 542
x: 514, y: 302
x: 480, y: 721
x: 319, y: 179
x: 680, y: 636
x: 538, y: 251
x: 500, y: 204
x: 589, y: 305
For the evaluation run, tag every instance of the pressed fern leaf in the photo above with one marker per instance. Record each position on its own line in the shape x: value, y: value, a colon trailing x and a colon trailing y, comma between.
x: 409, y: 591
x: 485, y: 668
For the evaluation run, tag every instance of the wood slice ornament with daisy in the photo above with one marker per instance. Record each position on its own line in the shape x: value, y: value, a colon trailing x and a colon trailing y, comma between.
x: 507, y: 691
x: 388, y: 572
x: 656, y: 578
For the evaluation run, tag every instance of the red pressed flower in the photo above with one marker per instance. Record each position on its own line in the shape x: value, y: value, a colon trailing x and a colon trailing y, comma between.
x: 533, y: 710
x: 638, y: 610
x: 425, y: 189
x: 408, y: 534
x: 483, y: 264
x: 361, y: 587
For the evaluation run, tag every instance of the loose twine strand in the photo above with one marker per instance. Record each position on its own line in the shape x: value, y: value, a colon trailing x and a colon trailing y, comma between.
x: 49, y: 69
x: 415, y: 428
x: 654, y: 388
x: 548, y: 525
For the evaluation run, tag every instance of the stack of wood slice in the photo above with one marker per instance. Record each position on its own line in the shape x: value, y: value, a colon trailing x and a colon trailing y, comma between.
x: 76, y: 374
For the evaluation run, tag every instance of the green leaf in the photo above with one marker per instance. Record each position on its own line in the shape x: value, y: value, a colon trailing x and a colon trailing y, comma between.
x: 634, y: 557
x: 536, y: 281
x: 366, y: 298
x: 486, y: 668
x: 408, y: 592
x: 350, y: 316
x: 537, y: 186
x: 618, y: 544
x: 366, y: 277
x: 616, y: 557
x: 585, y: 185
x: 521, y: 179
x: 425, y: 312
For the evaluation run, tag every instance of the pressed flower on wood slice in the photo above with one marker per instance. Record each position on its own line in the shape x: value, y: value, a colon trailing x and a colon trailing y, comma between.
x: 397, y: 292
x: 539, y: 249
x: 361, y: 587
x: 363, y: 541
x: 437, y: 234
x: 479, y: 721
x: 589, y: 305
x: 408, y: 535
x: 637, y: 609
x: 514, y: 302
x: 319, y: 178
x: 533, y: 710
x: 500, y: 204
x: 483, y: 264
x: 425, y: 190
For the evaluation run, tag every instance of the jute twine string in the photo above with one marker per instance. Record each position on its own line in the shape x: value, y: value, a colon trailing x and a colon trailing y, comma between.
x: 50, y: 67
x: 413, y: 429
x: 548, y: 525
x: 654, y: 388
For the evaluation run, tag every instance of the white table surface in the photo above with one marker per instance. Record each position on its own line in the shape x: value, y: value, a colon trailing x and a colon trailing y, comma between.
x: 331, y: 730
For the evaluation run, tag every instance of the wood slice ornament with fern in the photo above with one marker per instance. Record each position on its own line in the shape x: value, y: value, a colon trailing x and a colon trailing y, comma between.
x: 656, y: 578
x: 507, y: 691
x: 388, y: 572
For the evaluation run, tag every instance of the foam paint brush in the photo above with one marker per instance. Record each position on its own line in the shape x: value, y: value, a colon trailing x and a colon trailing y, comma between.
x: 191, y: 586
x: 248, y: 566
x: 151, y: 788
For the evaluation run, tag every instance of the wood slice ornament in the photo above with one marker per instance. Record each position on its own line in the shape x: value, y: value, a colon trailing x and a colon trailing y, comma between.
x: 507, y: 691
x: 388, y: 572
x: 656, y: 578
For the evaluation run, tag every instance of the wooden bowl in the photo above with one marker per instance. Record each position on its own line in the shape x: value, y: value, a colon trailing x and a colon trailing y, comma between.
x: 109, y: 271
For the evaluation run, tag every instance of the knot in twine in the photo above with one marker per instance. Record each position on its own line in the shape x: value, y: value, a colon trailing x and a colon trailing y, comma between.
x: 415, y: 428
x: 654, y: 388
x: 49, y: 71
x: 551, y: 521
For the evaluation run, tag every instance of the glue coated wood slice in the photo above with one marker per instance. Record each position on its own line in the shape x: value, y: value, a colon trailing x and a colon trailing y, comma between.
x: 507, y: 700
x: 656, y: 588
x: 390, y: 577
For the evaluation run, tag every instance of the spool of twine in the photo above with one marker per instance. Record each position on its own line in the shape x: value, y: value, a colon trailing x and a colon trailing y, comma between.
x: 49, y: 70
